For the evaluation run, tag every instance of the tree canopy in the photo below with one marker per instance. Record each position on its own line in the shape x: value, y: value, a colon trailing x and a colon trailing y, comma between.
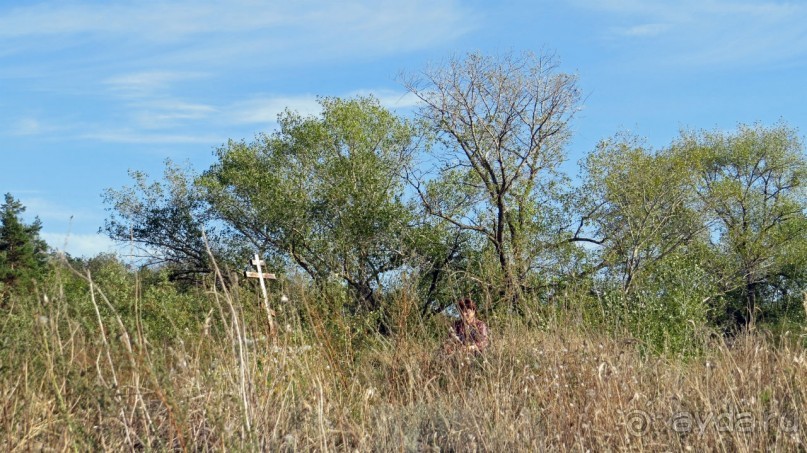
x: 468, y: 198
x: 751, y: 188
x: 503, y: 123
x: 323, y: 192
x: 22, y: 252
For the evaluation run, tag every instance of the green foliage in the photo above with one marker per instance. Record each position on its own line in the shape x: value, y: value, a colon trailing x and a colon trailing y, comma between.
x: 640, y: 206
x: 166, y: 221
x: 674, y: 306
x: 324, y: 193
x: 502, y: 122
x: 145, y: 300
x: 22, y: 253
x: 167, y: 312
x: 649, y: 275
x: 669, y: 312
x: 709, y: 232
x: 732, y: 202
x: 751, y: 189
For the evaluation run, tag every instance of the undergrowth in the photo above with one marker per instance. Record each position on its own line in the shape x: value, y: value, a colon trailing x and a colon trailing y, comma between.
x: 111, y: 363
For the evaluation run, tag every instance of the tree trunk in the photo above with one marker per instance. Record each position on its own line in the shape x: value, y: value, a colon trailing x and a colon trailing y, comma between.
x: 751, y: 303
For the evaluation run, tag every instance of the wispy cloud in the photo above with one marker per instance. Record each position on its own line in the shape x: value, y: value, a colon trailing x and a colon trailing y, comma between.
x: 48, y: 211
x: 140, y: 137
x: 265, y: 109
x: 145, y: 83
x: 165, y: 114
x: 312, y: 26
x: 155, y: 21
x: 149, y: 67
x: 148, y: 100
x: 79, y: 245
x: 155, y: 120
x: 29, y: 126
x: 705, y: 33
x: 642, y: 30
x: 391, y: 99
x: 689, y: 8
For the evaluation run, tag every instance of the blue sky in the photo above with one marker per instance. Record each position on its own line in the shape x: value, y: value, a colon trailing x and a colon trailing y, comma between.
x: 90, y: 89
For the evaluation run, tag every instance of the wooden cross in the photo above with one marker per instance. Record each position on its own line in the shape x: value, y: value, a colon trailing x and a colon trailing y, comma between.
x: 258, y: 262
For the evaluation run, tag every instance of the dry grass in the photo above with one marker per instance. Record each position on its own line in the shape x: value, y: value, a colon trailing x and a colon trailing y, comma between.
x: 559, y: 388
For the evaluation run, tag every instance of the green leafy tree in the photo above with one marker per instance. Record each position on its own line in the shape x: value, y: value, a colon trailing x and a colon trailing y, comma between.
x: 23, y: 255
x: 442, y: 255
x: 639, y: 206
x: 648, y: 246
x: 502, y: 123
x: 751, y: 186
x: 165, y: 221
x: 324, y: 191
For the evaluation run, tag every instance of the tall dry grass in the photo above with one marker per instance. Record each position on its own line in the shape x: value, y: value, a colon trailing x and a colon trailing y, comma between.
x: 319, y: 385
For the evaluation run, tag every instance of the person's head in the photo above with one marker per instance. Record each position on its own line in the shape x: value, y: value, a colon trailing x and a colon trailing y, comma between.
x: 467, y: 309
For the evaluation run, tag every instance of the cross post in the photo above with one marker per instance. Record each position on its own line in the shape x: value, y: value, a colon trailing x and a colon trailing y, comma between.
x: 258, y: 262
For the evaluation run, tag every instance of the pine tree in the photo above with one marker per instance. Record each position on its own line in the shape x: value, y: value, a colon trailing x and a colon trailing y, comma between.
x: 22, y: 252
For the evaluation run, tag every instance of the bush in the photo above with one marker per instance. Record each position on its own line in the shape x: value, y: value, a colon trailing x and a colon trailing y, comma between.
x: 669, y: 312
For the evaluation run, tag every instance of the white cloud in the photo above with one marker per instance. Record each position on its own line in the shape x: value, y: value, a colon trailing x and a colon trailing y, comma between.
x: 142, y: 72
x: 48, y: 211
x: 146, y: 83
x: 264, y: 110
x: 36, y: 126
x: 709, y: 33
x: 146, y: 59
x: 79, y: 245
x: 165, y: 21
x: 637, y: 7
x: 162, y: 114
x: 134, y: 136
x: 147, y: 99
x: 642, y: 30
x: 303, y: 27
x: 689, y: 8
x: 391, y: 99
x: 27, y: 126
x: 75, y: 244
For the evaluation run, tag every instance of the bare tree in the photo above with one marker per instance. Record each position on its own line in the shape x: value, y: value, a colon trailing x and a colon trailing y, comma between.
x: 502, y: 122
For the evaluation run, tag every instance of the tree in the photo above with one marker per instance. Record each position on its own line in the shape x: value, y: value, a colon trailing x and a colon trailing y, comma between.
x: 750, y: 184
x: 442, y: 255
x: 639, y: 204
x: 649, y: 244
x: 22, y: 253
x: 165, y: 221
x: 325, y: 192
x: 503, y: 122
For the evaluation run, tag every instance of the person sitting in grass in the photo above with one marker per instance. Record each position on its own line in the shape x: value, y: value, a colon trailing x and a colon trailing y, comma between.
x: 469, y: 332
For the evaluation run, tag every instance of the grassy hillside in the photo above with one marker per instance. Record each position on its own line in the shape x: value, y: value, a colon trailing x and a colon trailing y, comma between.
x: 120, y: 362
